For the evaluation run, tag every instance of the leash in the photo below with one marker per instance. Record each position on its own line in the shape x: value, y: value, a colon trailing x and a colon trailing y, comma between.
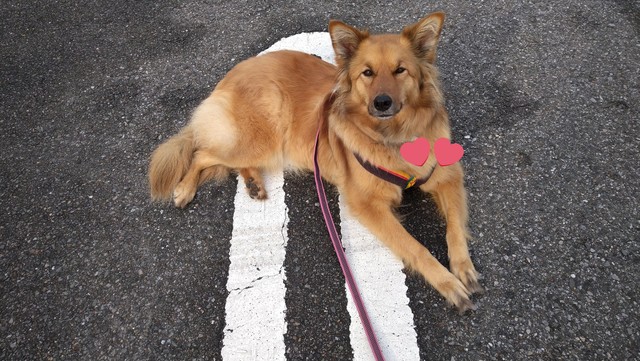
x: 337, y: 243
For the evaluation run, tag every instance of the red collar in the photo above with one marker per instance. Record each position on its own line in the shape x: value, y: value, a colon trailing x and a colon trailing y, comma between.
x: 398, y: 178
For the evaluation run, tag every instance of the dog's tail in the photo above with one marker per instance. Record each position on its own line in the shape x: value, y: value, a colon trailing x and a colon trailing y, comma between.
x: 169, y: 163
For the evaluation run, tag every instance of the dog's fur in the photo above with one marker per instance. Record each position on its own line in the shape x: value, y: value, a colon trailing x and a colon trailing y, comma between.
x: 264, y: 115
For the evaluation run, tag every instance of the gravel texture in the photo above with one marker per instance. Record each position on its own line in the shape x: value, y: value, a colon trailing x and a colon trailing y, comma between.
x: 543, y: 96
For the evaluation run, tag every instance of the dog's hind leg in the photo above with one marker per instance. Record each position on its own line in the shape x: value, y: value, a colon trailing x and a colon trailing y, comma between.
x: 186, y: 189
x: 216, y: 172
x: 451, y: 199
x: 253, y: 181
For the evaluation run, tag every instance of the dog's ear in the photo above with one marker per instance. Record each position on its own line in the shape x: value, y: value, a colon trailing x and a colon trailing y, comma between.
x: 345, y: 39
x: 424, y: 35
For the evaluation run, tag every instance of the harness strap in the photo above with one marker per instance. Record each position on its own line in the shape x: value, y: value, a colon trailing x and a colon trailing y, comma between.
x: 337, y: 243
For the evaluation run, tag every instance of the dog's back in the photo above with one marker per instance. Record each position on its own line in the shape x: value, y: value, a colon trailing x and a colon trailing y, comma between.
x: 261, y: 115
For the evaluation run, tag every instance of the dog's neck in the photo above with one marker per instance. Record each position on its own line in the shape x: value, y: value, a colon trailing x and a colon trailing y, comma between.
x: 369, y: 143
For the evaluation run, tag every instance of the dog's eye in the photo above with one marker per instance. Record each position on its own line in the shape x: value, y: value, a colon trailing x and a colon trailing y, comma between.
x: 400, y: 70
x: 368, y: 73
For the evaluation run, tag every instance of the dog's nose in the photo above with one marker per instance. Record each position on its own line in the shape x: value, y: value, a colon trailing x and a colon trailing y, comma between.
x: 382, y: 102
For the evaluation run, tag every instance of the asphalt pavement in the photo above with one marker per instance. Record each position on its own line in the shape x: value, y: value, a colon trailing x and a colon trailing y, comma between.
x: 543, y: 96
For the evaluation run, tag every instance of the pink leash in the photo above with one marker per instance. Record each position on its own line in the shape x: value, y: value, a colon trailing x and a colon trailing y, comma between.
x: 337, y: 246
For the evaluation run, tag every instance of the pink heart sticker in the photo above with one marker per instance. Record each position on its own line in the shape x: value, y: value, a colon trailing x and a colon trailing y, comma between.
x: 416, y: 152
x: 447, y: 153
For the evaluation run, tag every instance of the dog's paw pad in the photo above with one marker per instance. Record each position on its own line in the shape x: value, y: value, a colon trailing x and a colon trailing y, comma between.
x: 256, y: 191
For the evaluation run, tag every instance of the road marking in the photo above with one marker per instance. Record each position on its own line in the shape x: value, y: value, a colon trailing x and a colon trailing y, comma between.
x: 318, y: 43
x: 382, y: 286
x: 255, y: 308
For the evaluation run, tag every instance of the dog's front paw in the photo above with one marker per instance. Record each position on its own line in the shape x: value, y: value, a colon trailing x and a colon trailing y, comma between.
x: 182, y: 195
x: 456, y: 294
x: 465, y: 271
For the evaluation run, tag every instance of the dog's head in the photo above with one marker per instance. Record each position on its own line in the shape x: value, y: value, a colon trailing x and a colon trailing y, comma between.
x: 383, y: 74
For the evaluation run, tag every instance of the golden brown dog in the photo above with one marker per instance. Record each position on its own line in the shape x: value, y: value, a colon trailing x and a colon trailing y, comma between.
x: 264, y: 115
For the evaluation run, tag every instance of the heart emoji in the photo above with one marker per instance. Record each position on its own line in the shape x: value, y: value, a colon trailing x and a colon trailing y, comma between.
x: 416, y: 152
x: 447, y: 153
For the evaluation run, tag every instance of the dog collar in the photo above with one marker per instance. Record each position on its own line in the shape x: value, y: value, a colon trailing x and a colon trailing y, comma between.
x: 396, y: 177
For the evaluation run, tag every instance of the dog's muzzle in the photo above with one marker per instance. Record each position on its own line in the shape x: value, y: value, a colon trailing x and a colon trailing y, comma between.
x: 383, y: 107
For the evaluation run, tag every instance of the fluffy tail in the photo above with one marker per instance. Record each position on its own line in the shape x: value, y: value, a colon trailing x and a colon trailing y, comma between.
x: 169, y: 163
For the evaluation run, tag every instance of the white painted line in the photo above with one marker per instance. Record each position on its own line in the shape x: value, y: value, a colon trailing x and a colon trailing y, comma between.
x: 382, y: 287
x: 311, y: 43
x: 255, y: 308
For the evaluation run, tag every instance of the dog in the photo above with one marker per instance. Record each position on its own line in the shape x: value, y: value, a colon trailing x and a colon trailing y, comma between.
x: 384, y: 92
